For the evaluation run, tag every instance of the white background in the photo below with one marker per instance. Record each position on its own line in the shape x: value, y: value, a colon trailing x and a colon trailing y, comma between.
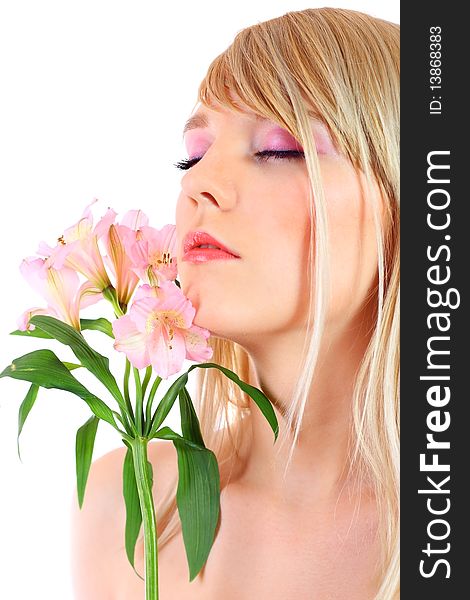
x: 94, y: 97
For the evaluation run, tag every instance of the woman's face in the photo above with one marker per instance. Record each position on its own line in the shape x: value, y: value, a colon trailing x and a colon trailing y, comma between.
x: 257, y: 207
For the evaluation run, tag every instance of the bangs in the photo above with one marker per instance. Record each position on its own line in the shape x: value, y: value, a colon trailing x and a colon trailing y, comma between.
x: 253, y: 72
x: 296, y: 64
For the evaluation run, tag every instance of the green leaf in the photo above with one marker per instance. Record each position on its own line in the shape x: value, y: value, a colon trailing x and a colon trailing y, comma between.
x: 84, y: 443
x: 25, y: 407
x: 189, y: 422
x: 257, y: 395
x: 197, y: 497
x: 71, y: 366
x: 101, y: 324
x: 133, y: 510
x: 165, y: 433
x: 132, y: 502
x: 43, y: 368
x: 35, y: 333
x: 166, y: 403
x: 93, y: 361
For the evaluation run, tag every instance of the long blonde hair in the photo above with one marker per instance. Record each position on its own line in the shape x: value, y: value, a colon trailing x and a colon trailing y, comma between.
x: 341, y: 66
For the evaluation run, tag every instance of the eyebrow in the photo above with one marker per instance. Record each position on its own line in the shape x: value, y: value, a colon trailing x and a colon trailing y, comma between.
x: 198, y: 120
x: 201, y: 120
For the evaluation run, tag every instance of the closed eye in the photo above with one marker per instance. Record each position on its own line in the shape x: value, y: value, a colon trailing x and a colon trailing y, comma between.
x: 262, y: 156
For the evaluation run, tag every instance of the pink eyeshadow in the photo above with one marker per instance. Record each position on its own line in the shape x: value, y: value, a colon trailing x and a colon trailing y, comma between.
x: 279, y: 139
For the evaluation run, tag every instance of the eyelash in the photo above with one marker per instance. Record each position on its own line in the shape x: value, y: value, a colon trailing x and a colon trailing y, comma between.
x: 263, y: 156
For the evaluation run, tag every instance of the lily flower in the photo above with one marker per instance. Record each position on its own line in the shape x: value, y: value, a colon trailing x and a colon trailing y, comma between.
x: 60, y: 288
x: 153, y: 254
x: 78, y: 249
x: 158, y: 330
x: 117, y: 239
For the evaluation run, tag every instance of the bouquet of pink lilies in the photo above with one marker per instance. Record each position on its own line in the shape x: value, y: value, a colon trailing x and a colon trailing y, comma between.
x: 132, y: 266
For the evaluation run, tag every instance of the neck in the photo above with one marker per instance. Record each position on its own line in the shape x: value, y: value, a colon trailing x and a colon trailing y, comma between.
x: 320, y: 461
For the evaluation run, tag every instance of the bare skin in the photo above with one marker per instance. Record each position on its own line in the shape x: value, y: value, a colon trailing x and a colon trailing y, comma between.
x: 263, y: 548
x: 311, y: 535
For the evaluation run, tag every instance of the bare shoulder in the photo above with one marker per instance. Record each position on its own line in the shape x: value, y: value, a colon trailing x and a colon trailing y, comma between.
x: 97, y: 529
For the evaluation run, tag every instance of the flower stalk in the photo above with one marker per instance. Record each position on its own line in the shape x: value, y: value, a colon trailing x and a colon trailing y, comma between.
x: 139, y: 411
x: 127, y: 397
x: 149, y: 520
x: 148, y: 410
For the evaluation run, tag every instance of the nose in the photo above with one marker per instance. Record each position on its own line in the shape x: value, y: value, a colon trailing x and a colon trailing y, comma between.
x: 210, y: 183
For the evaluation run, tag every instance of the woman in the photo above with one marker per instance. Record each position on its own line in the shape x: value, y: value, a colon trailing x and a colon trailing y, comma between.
x: 293, y: 170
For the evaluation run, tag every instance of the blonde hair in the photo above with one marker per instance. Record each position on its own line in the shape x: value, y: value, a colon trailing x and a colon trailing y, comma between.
x: 341, y: 66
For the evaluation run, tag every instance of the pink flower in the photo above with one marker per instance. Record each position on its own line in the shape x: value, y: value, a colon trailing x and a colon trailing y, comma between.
x: 78, y: 248
x: 23, y: 320
x: 152, y: 253
x: 158, y: 330
x: 117, y: 239
x: 61, y: 289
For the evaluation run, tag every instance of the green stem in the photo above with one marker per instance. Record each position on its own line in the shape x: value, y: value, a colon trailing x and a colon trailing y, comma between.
x: 144, y: 488
x: 127, y: 397
x: 119, y: 418
x: 148, y: 375
x: 125, y: 434
x: 128, y: 423
x: 139, y: 412
x: 148, y: 409
x: 110, y: 294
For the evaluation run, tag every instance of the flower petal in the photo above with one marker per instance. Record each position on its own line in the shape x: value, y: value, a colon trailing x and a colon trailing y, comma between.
x: 134, y: 219
x: 166, y: 353
x: 146, y: 291
x: 162, y: 251
x: 125, y: 279
x: 144, y: 310
x: 131, y: 341
x: 78, y: 231
x: 168, y: 238
x: 33, y: 271
x: 23, y: 320
x: 85, y: 257
x: 197, y: 348
x: 172, y: 300
x: 103, y: 225
x: 88, y: 295
x: 44, y: 249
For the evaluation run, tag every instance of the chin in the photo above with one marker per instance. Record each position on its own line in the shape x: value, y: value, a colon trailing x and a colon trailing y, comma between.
x: 215, y: 321
x: 210, y: 319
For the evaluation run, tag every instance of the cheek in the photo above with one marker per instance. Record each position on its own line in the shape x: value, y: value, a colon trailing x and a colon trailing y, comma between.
x: 282, y: 219
x: 352, y: 246
x: 284, y: 233
x: 279, y: 209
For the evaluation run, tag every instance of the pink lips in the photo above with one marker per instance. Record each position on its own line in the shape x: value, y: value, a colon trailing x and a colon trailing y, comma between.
x: 192, y: 252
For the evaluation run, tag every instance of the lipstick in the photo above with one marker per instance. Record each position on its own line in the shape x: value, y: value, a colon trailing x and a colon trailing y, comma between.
x: 201, y: 247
